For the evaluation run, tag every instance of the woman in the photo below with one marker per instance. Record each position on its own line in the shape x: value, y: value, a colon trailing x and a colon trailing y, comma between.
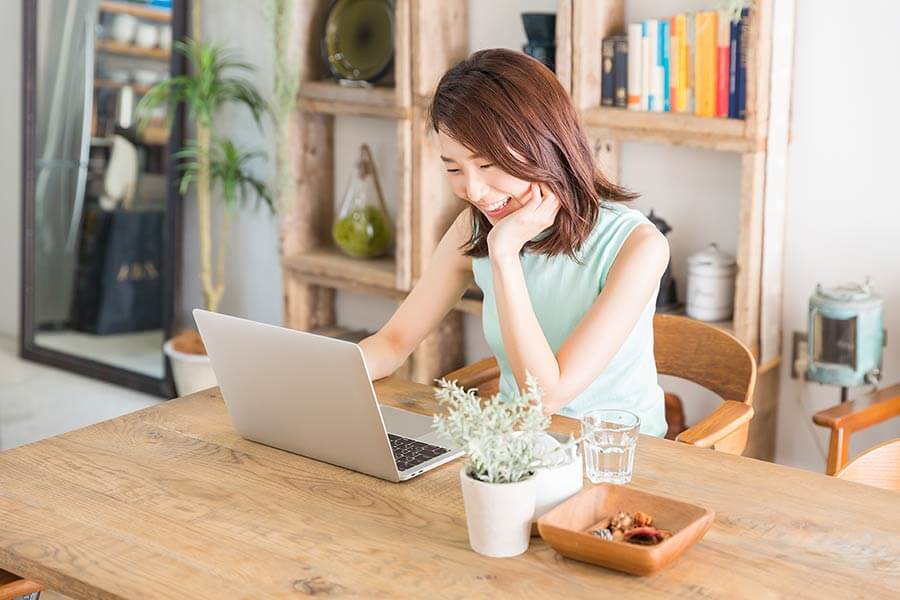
x: 569, y: 274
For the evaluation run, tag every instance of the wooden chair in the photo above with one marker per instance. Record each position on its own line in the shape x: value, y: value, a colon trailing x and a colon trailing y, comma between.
x: 13, y: 586
x: 686, y: 349
x: 878, y: 466
x: 849, y: 417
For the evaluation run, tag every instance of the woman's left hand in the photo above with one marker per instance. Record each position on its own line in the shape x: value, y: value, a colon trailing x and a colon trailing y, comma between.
x: 512, y: 232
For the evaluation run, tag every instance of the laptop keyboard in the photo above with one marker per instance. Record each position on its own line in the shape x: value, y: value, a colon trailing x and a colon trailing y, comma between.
x: 409, y: 453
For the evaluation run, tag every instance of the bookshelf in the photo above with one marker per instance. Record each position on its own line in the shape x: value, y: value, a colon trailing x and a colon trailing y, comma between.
x: 431, y: 37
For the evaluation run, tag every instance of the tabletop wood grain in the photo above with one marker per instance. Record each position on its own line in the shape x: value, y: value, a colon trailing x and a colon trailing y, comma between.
x: 170, y: 502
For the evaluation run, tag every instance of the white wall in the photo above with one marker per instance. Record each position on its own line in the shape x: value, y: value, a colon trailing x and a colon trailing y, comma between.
x: 843, y: 202
x: 10, y: 164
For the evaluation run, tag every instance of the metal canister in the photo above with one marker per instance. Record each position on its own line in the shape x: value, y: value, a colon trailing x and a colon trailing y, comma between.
x: 846, y: 335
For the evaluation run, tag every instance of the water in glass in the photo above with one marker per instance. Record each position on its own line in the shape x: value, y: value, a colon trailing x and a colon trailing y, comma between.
x: 609, y: 438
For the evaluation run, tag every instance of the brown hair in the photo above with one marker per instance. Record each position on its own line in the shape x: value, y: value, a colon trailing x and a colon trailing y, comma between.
x: 498, y: 99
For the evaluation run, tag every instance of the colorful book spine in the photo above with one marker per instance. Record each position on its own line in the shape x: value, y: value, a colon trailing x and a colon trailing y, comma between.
x: 674, y: 65
x: 664, y: 40
x: 645, y: 67
x: 607, y: 89
x: 705, y: 59
x: 635, y: 53
x: 620, y: 71
x: 656, y: 99
x: 690, y: 61
x: 742, y: 64
x: 733, y: 51
x: 723, y: 40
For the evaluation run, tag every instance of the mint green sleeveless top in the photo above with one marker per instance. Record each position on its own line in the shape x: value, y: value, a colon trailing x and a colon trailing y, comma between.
x: 561, y: 292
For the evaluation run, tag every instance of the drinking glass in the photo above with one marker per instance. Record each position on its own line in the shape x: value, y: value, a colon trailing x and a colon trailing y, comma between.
x: 609, y: 437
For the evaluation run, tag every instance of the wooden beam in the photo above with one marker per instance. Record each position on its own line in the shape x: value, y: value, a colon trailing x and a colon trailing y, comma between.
x: 778, y: 140
x: 749, y: 250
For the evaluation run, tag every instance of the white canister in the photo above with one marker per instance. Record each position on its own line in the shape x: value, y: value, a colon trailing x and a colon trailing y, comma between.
x: 124, y: 27
x: 710, y: 285
x: 146, y: 35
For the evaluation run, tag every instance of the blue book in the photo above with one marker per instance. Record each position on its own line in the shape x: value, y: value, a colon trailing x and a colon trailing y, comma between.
x: 663, y: 56
x: 734, y: 44
x: 744, y: 41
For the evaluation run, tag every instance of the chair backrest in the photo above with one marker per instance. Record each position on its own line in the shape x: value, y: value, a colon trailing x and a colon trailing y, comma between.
x: 705, y: 355
x: 879, y: 466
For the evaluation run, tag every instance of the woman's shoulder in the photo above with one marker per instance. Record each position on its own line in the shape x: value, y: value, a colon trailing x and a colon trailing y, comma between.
x: 616, y: 220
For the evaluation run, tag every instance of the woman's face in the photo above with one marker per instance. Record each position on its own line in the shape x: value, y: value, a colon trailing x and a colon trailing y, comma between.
x: 483, y: 185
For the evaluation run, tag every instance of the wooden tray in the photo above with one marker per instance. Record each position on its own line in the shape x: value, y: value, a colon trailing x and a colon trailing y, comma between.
x: 567, y: 528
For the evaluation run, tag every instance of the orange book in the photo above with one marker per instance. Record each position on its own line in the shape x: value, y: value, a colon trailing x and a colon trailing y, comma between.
x: 679, y: 50
x: 705, y: 61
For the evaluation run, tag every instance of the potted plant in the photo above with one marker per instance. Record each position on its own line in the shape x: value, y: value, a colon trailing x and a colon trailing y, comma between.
x: 504, y: 442
x: 209, y: 164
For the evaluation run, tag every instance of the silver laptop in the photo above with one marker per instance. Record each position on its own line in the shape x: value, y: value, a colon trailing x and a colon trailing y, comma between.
x: 311, y: 395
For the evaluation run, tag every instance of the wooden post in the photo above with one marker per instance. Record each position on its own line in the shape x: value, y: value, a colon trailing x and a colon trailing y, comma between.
x: 307, y: 143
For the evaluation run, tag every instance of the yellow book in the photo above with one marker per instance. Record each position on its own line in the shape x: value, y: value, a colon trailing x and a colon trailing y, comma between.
x: 674, y: 66
x: 681, y: 51
x: 705, y: 60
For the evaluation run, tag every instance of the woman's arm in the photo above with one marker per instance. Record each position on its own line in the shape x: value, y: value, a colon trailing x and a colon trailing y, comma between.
x: 629, y: 286
x: 442, y: 285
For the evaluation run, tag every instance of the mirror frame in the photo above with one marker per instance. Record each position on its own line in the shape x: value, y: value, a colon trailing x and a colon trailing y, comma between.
x: 171, y: 276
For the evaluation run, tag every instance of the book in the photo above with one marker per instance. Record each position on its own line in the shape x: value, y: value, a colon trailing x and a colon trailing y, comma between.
x: 690, y: 76
x: 674, y: 64
x: 705, y: 61
x: 635, y: 65
x: 607, y: 96
x: 620, y: 71
x: 741, y: 99
x: 645, y: 66
x: 734, y: 43
x: 723, y: 50
x: 664, y: 39
x: 654, y: 102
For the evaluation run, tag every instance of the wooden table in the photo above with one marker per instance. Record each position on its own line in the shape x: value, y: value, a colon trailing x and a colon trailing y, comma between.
x: 169, y: 502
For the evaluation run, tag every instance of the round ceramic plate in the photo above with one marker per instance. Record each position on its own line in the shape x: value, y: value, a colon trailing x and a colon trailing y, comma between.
x: 358, y: 40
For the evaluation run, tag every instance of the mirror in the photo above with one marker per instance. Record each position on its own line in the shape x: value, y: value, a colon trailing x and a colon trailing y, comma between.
x: 100, y: 206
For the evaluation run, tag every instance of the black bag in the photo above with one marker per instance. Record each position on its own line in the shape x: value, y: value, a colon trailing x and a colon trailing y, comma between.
x: 118, y: 288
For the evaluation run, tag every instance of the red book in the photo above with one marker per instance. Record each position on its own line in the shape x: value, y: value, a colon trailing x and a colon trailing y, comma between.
x: 723, y: 54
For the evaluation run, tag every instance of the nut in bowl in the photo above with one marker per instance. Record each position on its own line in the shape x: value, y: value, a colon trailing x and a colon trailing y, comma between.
x: 644, y: 531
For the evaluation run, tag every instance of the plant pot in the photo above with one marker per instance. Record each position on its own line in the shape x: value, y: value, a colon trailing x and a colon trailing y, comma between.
x: 498, y: 515
x: 553, y: 485
x: 192, y: 372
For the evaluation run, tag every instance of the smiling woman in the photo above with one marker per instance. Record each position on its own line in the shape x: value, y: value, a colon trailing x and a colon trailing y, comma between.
x: 569, y: 273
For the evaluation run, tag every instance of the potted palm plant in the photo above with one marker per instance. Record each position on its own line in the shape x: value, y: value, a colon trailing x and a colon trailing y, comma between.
x: 506, y: 449
x: 210, y: 164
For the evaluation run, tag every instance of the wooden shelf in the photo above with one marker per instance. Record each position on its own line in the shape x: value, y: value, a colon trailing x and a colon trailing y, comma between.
x: 672, y: 128
x: 330, y: 97
x: 330, y: 265
x: 112, y: 47
x: 137, y: 10
x: 155, y: 136
x: 139, y: 88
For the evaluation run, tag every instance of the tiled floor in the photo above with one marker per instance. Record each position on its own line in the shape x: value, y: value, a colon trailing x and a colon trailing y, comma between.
x: 37, y: 402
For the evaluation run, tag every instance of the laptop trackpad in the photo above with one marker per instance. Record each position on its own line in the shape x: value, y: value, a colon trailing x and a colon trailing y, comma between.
x: 405, y: 423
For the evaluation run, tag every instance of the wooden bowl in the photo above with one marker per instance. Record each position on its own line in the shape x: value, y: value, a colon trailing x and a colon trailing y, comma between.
x: 567, y: 528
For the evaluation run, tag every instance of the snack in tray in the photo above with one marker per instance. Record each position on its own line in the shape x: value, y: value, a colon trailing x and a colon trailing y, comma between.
x: 634, y: 528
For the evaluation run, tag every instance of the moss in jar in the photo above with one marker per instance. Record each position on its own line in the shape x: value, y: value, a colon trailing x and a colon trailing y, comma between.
x: 363, y: 233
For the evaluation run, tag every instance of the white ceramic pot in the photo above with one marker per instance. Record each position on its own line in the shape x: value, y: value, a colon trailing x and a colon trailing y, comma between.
x: 710, y: 285
x: 498, y: 515
x: 192, y: 372
x: 124, y: 27
x: 146, y: 35
x: 165, y: 37
x: 555, y: 484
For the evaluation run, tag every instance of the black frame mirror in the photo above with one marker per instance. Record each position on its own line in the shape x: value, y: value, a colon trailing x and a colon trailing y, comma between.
x: 171, y: 248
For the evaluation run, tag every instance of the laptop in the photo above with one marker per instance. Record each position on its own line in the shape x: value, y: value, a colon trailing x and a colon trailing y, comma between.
x: 312, y: 395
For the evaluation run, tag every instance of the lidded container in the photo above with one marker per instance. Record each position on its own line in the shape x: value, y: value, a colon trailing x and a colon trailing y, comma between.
x: 710, y: 285
x: 363, y: 228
